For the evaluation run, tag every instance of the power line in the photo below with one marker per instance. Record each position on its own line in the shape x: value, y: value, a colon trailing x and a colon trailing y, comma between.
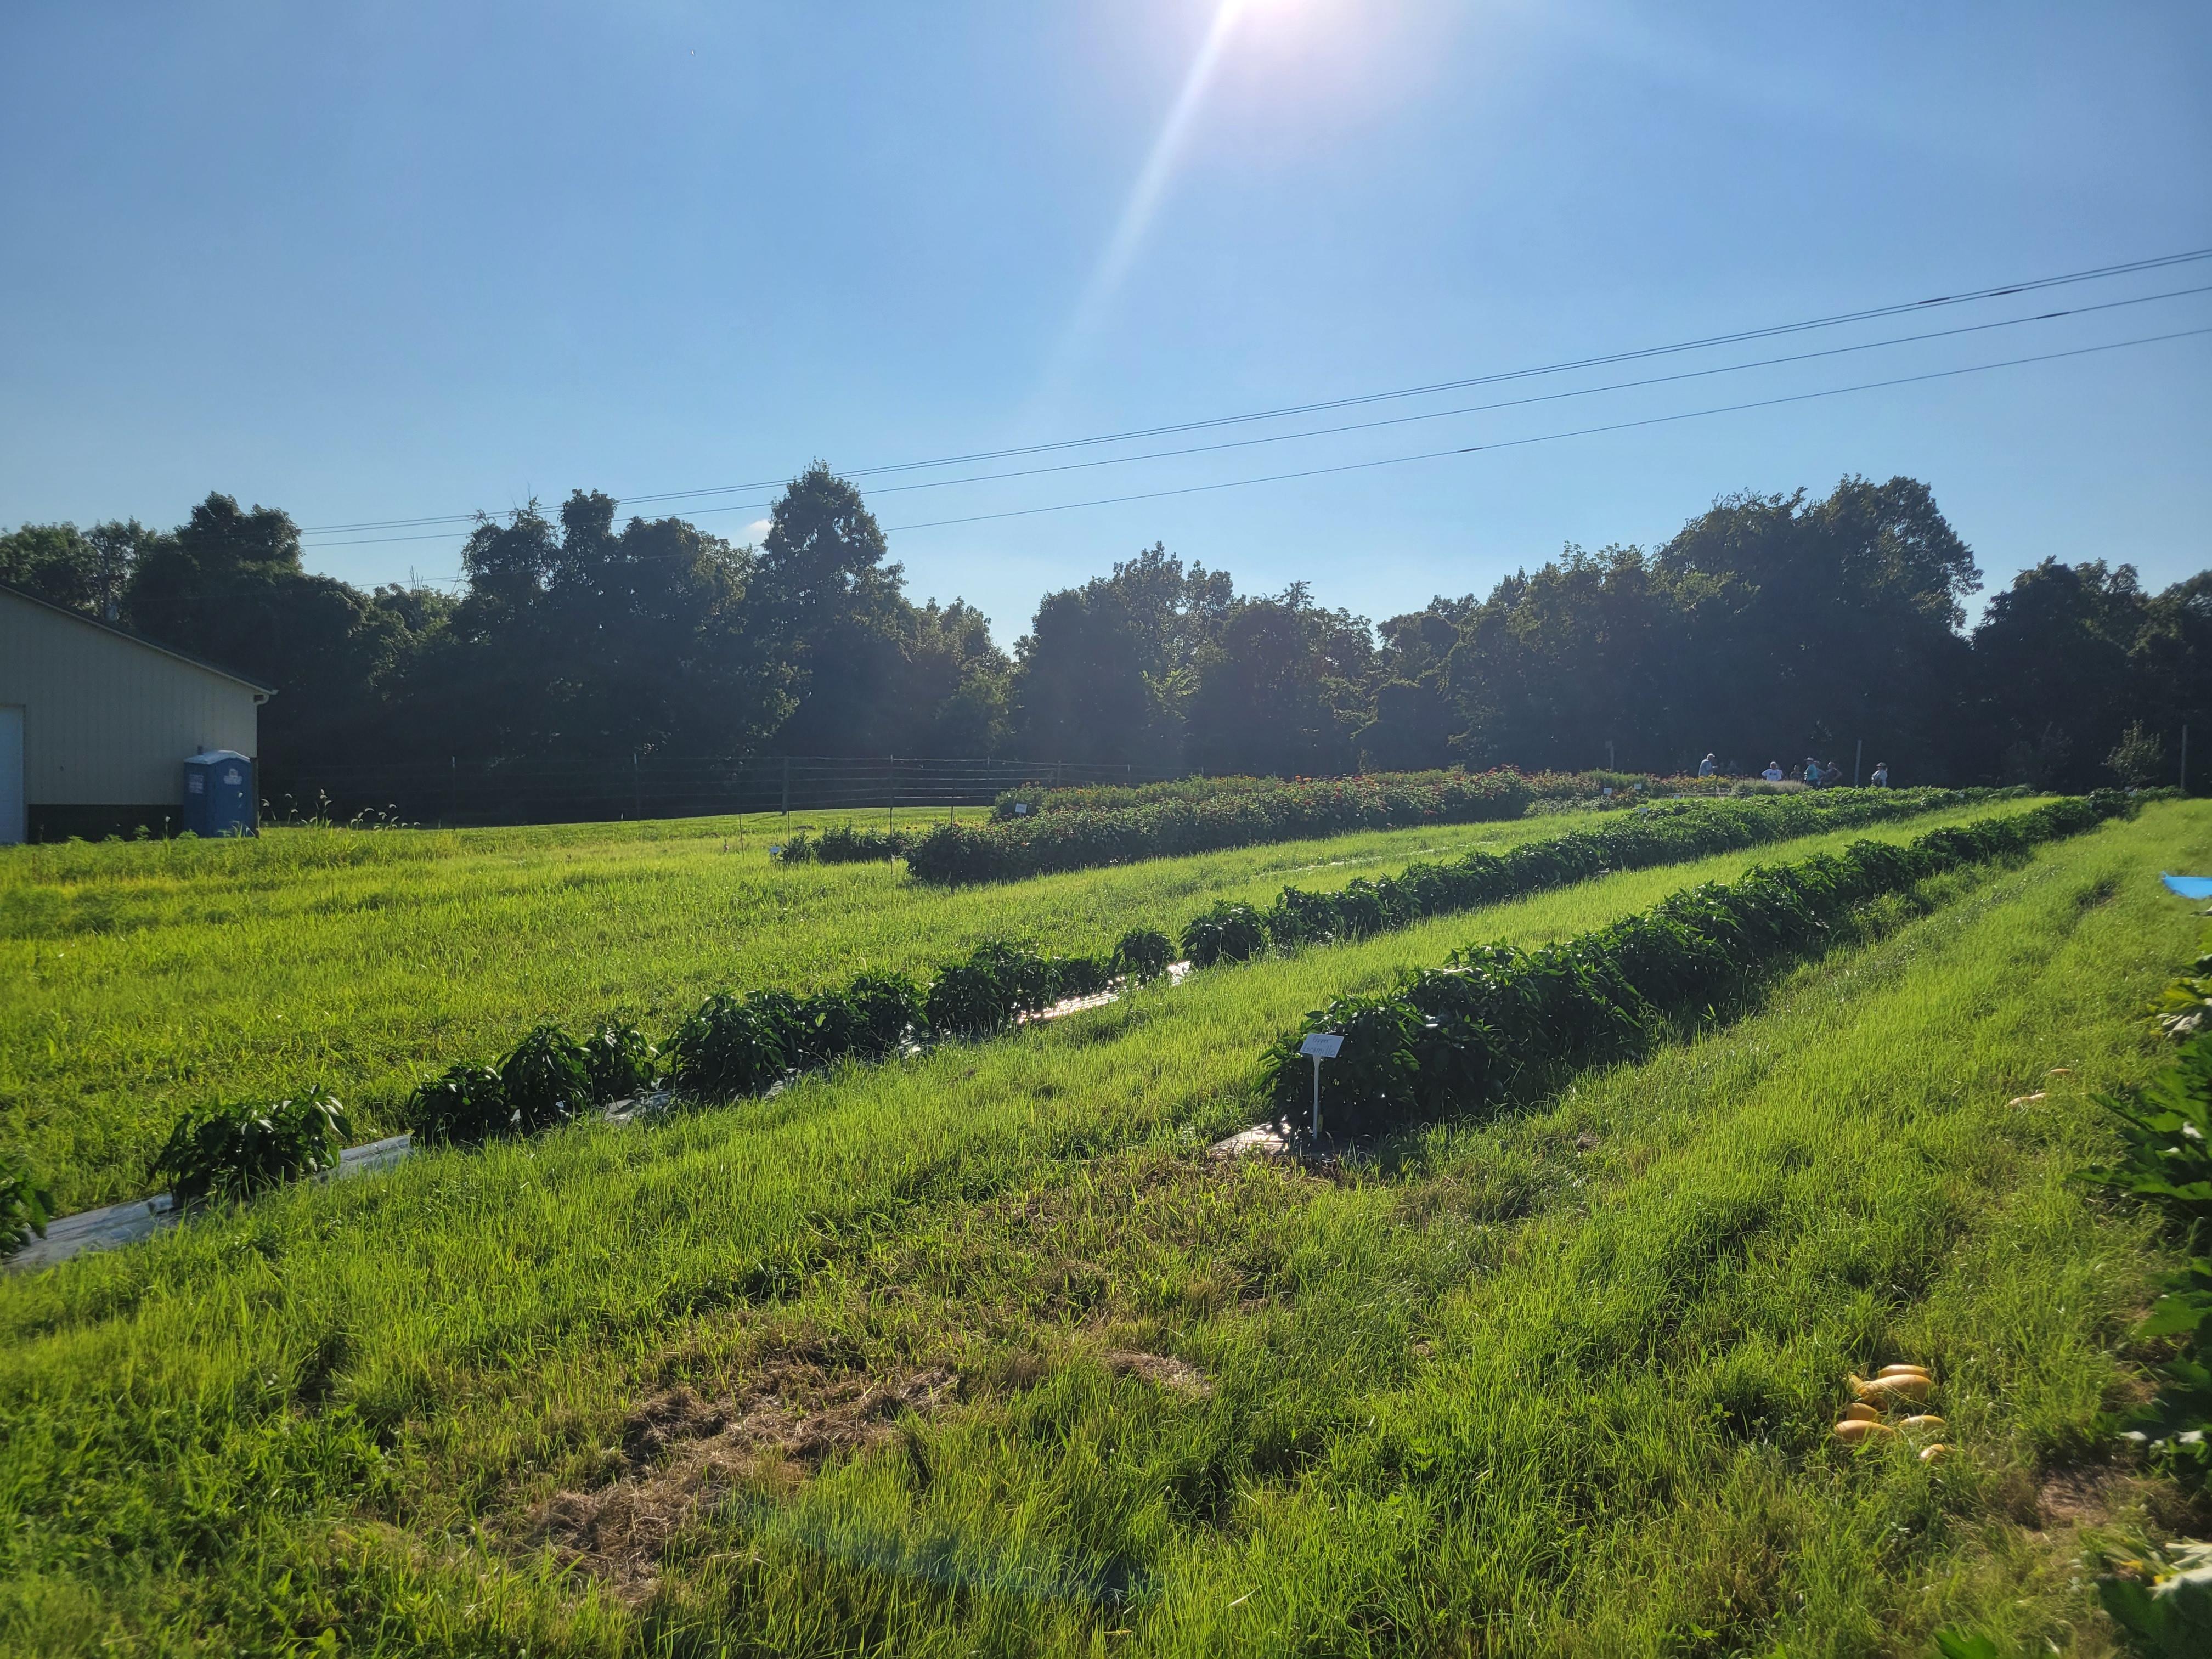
x: 1540, y: 438
x: 1736, y: 337
x: 1552, y: 437
x: 1426, y: 414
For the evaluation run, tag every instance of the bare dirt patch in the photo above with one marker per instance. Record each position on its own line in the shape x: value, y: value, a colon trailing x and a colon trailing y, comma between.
x: 685, y: 1451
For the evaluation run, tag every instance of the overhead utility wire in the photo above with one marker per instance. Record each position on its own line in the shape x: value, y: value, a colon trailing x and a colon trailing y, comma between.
x: 1737, y: 336
x: 1428, y: 415
x: 1551, y: 437
x: 1517, y: 443
x: 1521, y: 402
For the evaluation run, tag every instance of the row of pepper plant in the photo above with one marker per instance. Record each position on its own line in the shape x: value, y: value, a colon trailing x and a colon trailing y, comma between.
x: 1665, y: 832
x: 1497, y: 1019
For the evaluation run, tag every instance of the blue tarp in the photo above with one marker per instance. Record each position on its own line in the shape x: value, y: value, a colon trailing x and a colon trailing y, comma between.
x: 2189, y: 887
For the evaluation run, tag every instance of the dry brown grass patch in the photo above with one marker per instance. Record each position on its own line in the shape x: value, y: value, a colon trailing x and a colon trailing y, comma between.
x: 1162, y: 1370
x: 2076, y: 1497
x: 682, y: 1452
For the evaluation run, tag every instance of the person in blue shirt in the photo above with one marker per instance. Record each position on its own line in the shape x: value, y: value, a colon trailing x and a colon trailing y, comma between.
x: 1812, y: 771
x: 1881, y: 779
x: 1707, y: 767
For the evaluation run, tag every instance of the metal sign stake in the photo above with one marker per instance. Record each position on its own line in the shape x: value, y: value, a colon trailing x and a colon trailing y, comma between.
x: 1317, y: 1047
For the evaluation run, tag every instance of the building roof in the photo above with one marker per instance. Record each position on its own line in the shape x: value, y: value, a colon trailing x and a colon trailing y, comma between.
x: 262, y: 692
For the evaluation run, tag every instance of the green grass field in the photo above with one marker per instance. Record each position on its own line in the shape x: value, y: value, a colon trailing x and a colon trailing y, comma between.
x: 144, y: 980
x: 979, y: 1353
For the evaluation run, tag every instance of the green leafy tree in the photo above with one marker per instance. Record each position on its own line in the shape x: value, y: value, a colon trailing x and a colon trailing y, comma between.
x: 228, y: 587
x: 827, y: 613
x: 1081, y: 693
x: 1769, y: 624
x: 954, y: 683
x: 586, y: 641
x: 2054, y: 652
x: 1107, y: 669
x: 1278, y: 689
x: 2139, y: 759
x: 1414, y: 718
x: 86, y: 571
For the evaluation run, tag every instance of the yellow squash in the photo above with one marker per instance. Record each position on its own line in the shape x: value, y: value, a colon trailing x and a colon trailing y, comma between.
x: 1856, y: 1429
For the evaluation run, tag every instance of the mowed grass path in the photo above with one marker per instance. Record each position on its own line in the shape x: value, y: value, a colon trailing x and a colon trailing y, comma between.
x: 1564, y: 1380
x: 141, y: 980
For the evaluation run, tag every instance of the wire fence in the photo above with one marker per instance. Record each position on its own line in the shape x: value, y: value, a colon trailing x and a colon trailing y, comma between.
x: 565, y: 790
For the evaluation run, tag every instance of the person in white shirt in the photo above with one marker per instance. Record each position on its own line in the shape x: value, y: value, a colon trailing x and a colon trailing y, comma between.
x: 1881, y: 774
x: 1773, y: 772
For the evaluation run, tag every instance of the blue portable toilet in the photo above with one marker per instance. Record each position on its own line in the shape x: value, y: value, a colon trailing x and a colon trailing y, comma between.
x: 219, y: 794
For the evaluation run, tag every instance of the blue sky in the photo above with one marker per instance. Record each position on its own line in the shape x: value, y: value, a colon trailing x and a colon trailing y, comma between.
x: 378, y: 262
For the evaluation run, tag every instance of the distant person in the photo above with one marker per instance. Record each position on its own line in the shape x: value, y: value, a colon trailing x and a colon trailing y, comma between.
x: 1707, y: 767
x: 1812, y: 771
x: 1773, y: 772
x: 1832, y: 774
x: 1881, y: 779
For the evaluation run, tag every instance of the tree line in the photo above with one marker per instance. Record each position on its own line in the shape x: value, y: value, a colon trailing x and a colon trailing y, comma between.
x: 1770, y: 628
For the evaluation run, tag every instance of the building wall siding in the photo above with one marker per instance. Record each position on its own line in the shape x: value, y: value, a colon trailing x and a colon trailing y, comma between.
x: 108, y: 721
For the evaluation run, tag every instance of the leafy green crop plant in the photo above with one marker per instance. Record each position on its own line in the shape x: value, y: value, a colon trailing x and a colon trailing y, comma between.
x: 236, y: 1150
x: 1144, y: 954
x: 25, y: 1205
x: 466, y: 1105
x: 729, y: 1047
x: 843, y: 843
x: 620, y: 1061
x: 1225, y: 932
x: 817, y: 1030
x: 547, y: 1078
x: 2166, y: 1162
x: 887, y: 1012
x: 1375, y: 1071
x: 997, y: 983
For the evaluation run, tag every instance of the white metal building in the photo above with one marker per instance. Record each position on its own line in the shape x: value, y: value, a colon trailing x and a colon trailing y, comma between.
x: 96, y: 724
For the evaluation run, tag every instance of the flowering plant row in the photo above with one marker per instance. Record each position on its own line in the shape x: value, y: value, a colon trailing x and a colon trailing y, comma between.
x: 1080, y: 837
x: 1033, y: 798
